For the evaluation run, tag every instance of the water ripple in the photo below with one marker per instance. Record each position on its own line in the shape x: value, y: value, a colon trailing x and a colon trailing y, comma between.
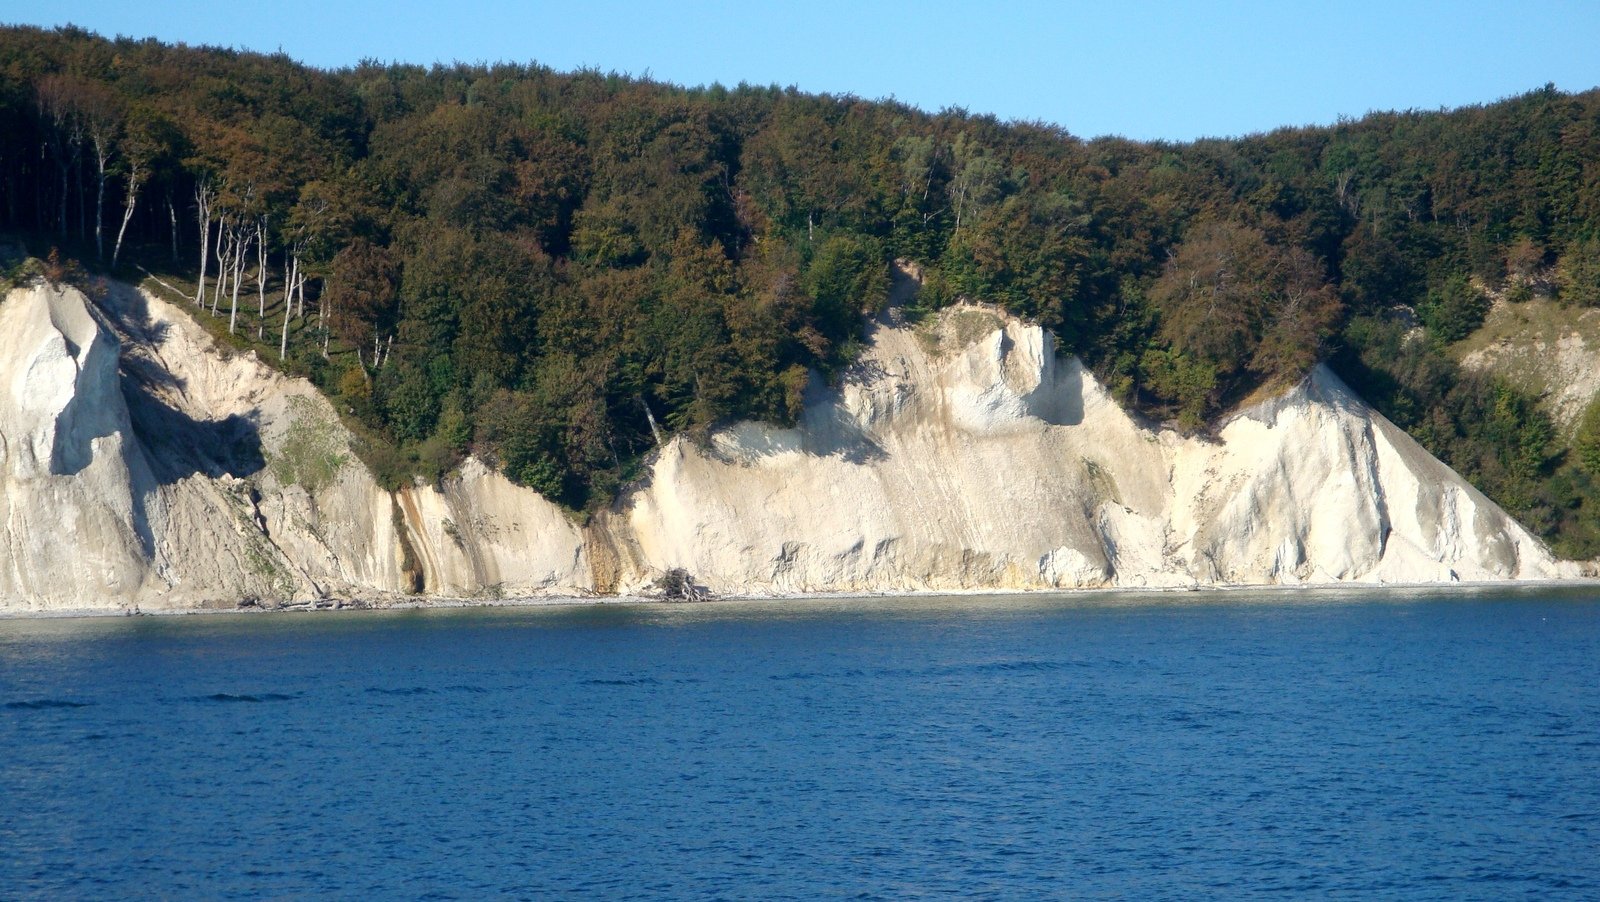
x: 1425, y: 750
x: 229, y: 697
x: 45, y: 704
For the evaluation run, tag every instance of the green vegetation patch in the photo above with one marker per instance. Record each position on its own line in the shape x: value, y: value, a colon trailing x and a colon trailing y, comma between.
x: 967, y: 327
x: 1101, y: 480
x: 1519, y: 341
x: 313, y: 449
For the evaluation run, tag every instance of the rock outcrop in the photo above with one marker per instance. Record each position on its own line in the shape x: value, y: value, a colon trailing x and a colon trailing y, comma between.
x: 75, y: 526
x: 142, y: 466
x: 964, y: 454
x: 186, y: 477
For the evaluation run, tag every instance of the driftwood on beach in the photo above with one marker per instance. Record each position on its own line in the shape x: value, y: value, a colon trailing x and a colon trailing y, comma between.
x: 678, y: 584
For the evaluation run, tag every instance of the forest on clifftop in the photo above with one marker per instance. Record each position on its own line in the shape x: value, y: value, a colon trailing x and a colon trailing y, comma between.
x: 547, y: 268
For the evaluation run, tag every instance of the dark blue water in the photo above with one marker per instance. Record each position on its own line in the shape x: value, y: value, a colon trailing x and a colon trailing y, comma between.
x: 1422, y: 747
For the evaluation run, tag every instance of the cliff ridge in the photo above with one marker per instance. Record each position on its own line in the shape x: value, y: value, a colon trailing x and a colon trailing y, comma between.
x: 143, y: 467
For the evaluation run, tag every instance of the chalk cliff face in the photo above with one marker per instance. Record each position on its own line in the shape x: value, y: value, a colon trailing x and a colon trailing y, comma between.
x: 142, y: 467
x: 74, y: 530
x: 185, y: 478
x: 964, y: 454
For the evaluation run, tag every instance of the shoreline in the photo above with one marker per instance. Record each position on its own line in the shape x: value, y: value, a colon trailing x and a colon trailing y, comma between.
x: 380, y: 603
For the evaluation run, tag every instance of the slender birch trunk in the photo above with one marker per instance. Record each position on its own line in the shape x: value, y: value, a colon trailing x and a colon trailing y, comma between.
x: 288, y: 308
x: 172, y: 214
x: 134, y: 177
x: 202, y: 201
x: 225, y: 242
x: 102, y: 155
x: 322, y: 319
x: 240, y: 247
x: 296, y: 287
x: 291, y: 272
x: 261, y: 278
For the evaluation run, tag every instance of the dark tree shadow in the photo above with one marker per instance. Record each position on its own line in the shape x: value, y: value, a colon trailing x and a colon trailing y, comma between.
x: 177, y: 444
x: 827, y: 429
x: 130, y: 310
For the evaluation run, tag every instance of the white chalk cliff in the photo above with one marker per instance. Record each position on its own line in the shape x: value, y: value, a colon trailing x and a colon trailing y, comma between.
x: 179, y: 476
x: 140, y: 466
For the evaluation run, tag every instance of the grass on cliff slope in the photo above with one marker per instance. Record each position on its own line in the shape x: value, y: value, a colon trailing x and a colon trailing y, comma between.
x: 1518, y: 341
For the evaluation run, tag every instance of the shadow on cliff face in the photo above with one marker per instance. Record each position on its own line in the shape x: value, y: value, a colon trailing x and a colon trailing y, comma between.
x: 177, y: 444
x: 827, y: 429
x: 130, y: 313
x: 83, y: 419
x: 1059, y: 399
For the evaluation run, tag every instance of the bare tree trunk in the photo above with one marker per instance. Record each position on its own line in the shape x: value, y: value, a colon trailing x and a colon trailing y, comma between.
x: 242, y: 245
x: 651, y: 418
x: 224, y: 264
x: 283, y: 342
x: 172, y: 214
x: 134, y: 176
x: 202, y: 201
x: 291, y: 270
x: 322, y: 319
x: 288, y: 309
x: 261, y: 277
x: 961, y: 202
x: 225, y: 248
x: 102, y: 155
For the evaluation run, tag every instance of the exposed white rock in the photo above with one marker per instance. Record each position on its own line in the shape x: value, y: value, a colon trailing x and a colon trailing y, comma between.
x: 483, y: 534
x: 73, y: 526
x: 201, y: 478
x: 961, y: 454
x: 1545, y: 349
x: 967, y: 455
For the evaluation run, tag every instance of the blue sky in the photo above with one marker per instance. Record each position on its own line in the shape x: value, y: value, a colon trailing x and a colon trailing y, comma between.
x: 1144, y: 70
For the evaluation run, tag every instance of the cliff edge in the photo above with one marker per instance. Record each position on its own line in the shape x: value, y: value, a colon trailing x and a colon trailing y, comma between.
x: 141, y: 466
x: 965, y: 454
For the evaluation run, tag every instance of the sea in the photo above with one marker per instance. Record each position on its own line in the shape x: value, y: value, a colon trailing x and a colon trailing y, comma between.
x: 1372, y: 744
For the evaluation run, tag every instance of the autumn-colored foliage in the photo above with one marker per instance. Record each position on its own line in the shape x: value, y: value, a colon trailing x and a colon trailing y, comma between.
x: 547, y: 268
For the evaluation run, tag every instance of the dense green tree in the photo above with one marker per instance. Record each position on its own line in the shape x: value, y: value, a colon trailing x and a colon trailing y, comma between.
x: 1454, y: 309
x: 1229, y: 300
x: 362, y: 289
x: 1578, y: 273
x: 1587, y: 443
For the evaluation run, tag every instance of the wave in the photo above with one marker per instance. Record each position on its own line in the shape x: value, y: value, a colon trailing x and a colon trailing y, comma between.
x: 43, y: 704
x: 940, y: 670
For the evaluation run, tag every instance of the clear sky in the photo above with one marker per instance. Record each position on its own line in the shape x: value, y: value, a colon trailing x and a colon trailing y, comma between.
x: 1145, y: 70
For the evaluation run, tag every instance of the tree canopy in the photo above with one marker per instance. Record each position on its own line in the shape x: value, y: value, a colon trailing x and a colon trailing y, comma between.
x: 552, y: 269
